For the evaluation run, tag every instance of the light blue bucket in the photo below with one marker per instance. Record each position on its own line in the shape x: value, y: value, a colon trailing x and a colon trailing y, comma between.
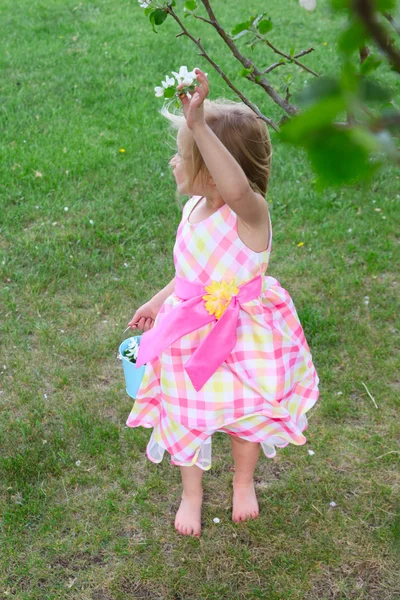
x: 133, y: 374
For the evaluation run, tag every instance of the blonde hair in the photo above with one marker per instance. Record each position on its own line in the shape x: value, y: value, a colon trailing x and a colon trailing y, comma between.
x: 240, y: 130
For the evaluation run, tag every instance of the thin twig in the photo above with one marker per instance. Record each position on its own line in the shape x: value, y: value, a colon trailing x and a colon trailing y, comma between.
x: 201, y: 19
x: 277, y: 64
x: 372, y: 398
x: 302, y: 53
x: 287, y: 56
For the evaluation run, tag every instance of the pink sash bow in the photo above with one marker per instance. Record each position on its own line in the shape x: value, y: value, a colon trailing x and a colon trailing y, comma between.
x: 190, y: 315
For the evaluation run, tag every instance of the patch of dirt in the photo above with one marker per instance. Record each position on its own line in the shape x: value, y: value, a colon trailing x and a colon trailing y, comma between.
x: 78, y: 560
x: 138, y: 591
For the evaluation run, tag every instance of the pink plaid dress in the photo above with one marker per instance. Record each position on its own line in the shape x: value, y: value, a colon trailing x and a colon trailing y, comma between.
x: 263, y: 389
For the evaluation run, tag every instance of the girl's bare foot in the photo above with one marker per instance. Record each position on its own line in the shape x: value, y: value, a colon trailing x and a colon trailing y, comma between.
x: 245, y: 504
x: 188, y: 517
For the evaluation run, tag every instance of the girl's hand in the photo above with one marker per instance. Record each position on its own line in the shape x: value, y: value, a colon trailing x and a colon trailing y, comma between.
x: 193, y: 109
x: 145, y: 316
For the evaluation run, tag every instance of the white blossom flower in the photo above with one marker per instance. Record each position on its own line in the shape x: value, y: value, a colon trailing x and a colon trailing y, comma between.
x: 159, y: 91
x: 184, y: 76
x: 131, y: 352
x: 169, y: 81
x: 78, y: 462
x: 143, y: 3
x: 216, y: 520
x: 308, y: 4
x: 332, y: 504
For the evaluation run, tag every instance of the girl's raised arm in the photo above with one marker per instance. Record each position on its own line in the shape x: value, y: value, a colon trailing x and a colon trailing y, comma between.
x: 228, y: 175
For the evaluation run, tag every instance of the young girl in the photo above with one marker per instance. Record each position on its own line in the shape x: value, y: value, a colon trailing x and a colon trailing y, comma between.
x: 223, y: 345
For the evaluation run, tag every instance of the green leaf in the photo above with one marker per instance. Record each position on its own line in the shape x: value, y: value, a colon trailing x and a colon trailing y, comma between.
x: 322, y: 87
x: 241, y: 27
x: 340, y: 5
x: 292, y: 52
x: 365, y: 138
x: 245, y: 72
x: 353, y: 38
x: 301, y: 127
x: 159, y: 16
x: 349, y: 79
x: 151, y: 18
x: 169, y: 92
x: 372, y: 91
x: 190, y: 5
x: 264, y: 26
x: 339, y: 157
x: 385, y: 5
x: 370, y: 64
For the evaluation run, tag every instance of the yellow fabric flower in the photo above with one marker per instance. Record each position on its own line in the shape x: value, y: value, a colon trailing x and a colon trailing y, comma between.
x: 219, y: 296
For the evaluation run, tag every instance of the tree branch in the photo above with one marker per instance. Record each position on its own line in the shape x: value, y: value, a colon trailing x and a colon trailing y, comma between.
x: 365, y: 12
x: 287, y: 56
x: 256, y: 75
x: 273, y: 66
x: 278, y: 64
x: 201, y: 19
x: 219, y: 70
x: 393, y: 23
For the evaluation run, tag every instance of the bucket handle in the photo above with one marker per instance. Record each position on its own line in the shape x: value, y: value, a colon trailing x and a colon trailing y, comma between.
x: 130, y: 328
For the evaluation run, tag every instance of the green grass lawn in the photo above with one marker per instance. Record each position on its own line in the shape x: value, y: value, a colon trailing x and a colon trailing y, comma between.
x: 87, y: 233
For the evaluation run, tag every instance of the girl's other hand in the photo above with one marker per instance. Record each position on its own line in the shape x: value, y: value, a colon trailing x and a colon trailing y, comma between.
x: 193, y: 109
x: 144, y: 317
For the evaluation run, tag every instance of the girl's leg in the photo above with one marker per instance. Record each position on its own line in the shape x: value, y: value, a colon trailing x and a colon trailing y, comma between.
x: 188, y: 517
x: 245, y: 455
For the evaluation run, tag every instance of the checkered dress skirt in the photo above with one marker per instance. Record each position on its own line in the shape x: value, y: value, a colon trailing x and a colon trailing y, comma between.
x: 264, y: 388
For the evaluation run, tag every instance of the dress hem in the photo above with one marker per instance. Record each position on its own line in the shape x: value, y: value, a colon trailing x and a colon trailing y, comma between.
x: 202, y: 456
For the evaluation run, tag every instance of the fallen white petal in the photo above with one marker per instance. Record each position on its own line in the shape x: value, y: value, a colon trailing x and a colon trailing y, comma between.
x: 216, y: 520
x: 311, y: 452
